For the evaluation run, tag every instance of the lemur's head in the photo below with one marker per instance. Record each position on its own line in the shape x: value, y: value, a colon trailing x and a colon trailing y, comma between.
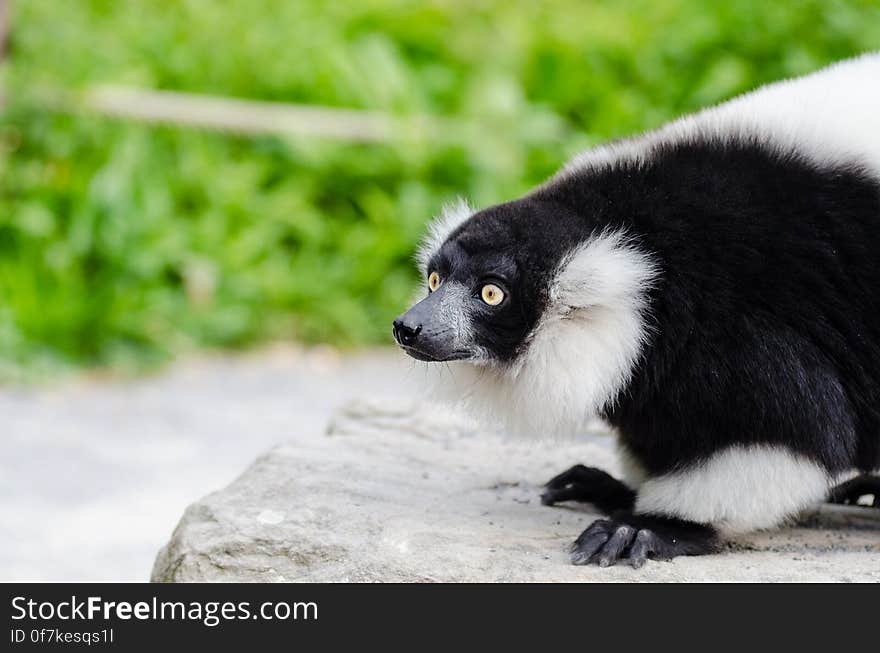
x: 548, y: 309
x: 486, y: 284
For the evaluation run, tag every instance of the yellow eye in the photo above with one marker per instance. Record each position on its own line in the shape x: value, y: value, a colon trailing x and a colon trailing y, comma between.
x: 433, y: 281
x: 492, y: 294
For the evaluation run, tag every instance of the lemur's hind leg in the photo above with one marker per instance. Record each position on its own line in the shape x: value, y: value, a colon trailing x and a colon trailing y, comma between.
x: 589, y: 485
x: 854, y: 489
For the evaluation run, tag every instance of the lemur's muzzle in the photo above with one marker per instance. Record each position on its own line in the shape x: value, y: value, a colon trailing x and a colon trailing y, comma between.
x: 422, y: 333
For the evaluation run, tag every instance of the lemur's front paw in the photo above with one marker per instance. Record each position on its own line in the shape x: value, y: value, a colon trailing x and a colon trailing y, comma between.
x: 853, y: 490
x: 589, y: 485
x: 639, y: 538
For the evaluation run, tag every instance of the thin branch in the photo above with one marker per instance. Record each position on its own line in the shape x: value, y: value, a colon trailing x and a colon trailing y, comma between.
x: 252, y: 117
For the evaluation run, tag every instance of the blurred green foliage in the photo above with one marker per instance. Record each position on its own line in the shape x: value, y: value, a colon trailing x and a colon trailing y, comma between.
x: 123, y: 244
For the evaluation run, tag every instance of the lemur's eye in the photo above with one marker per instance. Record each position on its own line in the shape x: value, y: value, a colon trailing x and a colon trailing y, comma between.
x: 433, y: 281
x: 492, y: 294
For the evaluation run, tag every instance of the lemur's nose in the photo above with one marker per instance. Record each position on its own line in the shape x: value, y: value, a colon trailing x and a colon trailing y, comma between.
x: 405, y: 334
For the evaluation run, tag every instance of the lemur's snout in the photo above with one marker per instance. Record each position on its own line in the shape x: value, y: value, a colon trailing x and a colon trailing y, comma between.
x: 405, y: 334
x: 424, y: 333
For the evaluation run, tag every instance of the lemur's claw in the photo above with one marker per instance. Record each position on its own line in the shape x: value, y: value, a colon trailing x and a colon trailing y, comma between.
x: 647, y: 545
x: 640, y: 538
x: 605, y: 542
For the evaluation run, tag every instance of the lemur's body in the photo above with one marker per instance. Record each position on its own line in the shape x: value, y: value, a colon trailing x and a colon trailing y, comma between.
x: 712, y: 289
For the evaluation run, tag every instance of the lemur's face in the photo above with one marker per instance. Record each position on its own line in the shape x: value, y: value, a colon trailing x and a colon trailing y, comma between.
x: 481, y: 299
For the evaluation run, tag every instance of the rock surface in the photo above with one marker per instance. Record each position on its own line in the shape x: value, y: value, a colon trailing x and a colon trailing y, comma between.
x: 396, y: 493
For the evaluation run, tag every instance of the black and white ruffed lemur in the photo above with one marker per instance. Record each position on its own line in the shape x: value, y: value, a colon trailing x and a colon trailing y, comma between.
x: 711, y: 289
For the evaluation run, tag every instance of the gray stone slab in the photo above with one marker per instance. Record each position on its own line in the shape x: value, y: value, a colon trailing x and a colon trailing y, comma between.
x: 397, y: 492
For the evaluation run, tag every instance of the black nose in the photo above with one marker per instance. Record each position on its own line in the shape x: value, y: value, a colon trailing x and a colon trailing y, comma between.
x: 405, y: 334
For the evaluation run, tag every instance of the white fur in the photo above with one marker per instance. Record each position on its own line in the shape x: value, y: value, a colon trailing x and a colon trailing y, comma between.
x: 831, y: 116
x: 451, y: 217
x: 737, y: 490
x: 581, y: 353
x: 632, y: 472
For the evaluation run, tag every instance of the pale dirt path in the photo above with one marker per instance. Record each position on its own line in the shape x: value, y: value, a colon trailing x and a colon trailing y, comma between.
x: 95, y: 473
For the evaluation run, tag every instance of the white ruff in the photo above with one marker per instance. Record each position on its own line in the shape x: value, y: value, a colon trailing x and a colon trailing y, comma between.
x: 738, y: 490
x: 581, y: 353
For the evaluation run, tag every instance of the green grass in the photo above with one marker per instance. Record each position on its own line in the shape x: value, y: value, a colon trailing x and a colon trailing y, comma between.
x: 123, y: 244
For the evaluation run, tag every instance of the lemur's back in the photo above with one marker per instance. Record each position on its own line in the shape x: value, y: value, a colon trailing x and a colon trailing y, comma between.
x: 832, y: 115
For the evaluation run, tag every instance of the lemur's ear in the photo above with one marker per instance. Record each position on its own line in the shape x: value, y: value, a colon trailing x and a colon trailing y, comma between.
x: 451, y: 216
x: 607, y: 271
